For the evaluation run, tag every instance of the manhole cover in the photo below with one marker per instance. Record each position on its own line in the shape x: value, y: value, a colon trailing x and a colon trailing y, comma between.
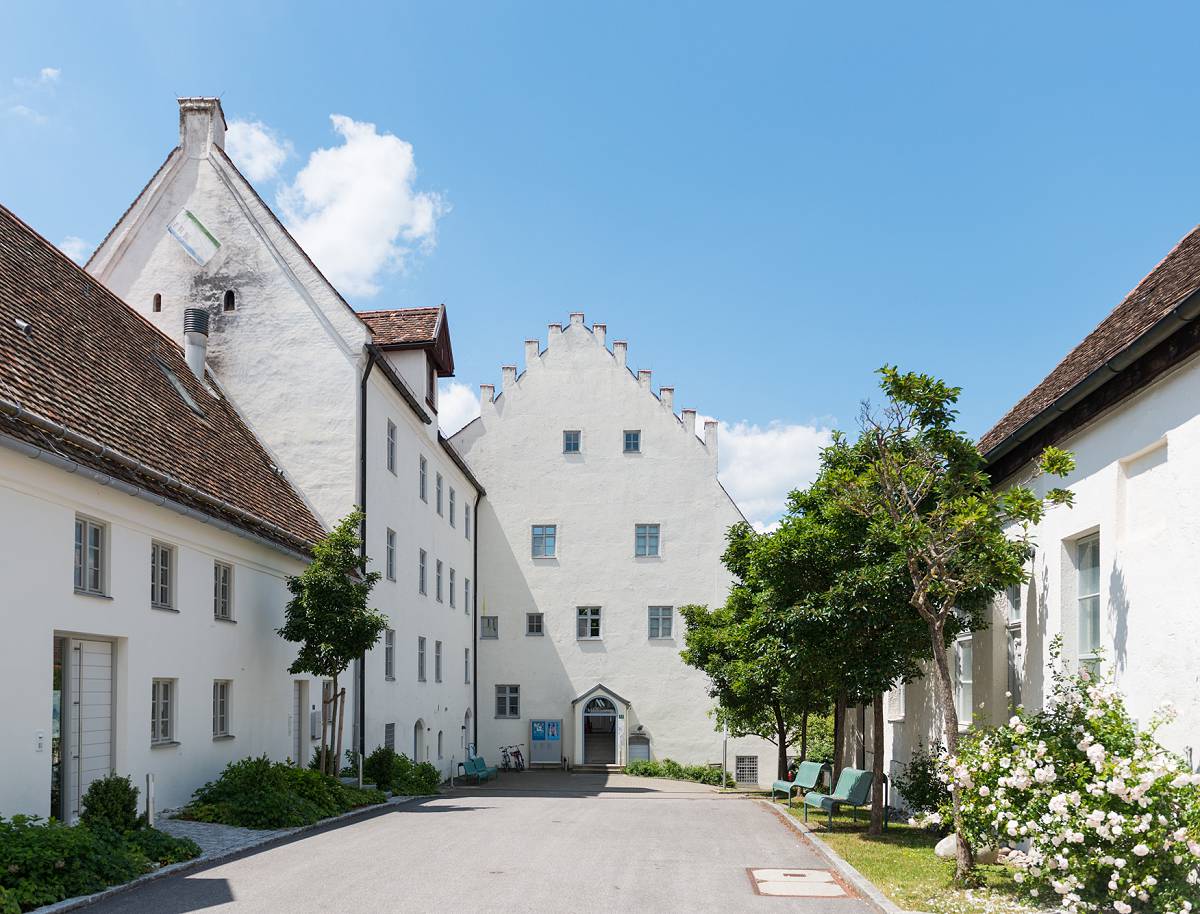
x: 796, y: 883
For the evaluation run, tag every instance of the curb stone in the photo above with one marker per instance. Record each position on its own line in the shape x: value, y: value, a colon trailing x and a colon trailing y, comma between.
x: 173, y: 869
x: 849, y: 873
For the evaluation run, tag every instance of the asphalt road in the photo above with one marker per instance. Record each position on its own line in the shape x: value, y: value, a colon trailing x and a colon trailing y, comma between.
x: 536, y: 843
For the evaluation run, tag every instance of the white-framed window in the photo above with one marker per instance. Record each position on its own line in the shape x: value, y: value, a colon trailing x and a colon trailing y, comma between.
x: 391, y: 447
x: 89, y: 556
x: 162, y: 561
x: 632, y: 441
x: 422, y: 567
x: 1014, y: 647
x: 894, y: 708
x: 571, y: 441
x: 162, y: 711
x: 452, y: 501
x: 466, y: 664
x: 389, y: 653
x: 745, y: 769
x: 390, y: 564
x: 660, y: 621
x: 437, y: 661
x: 645, y: 539
x: 508, y: 701
x: 467, y: 521
x: 1087, y: 594
x: 535, y: 624
x: 222, y: 590
x: 545, y: 541
x: 423, y: 479
x: 489, y: 627
x: 389, y: 736
x: 438, y: 494
x: 467, y: 596
x: 221, y: 690
x: 587, y: 623
x: 964, y: 680
x: 452, y: 603
x: 421, y: 659
x: 438, y: 580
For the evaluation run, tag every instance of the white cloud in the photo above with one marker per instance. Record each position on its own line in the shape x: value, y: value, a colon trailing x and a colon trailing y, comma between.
x: 458, y: 404
x: 27, y: 113
x: 75, y: 248
x: 49, y: 75
x: 258, y: 151
x: 760, y: 465
x: 354, y: 209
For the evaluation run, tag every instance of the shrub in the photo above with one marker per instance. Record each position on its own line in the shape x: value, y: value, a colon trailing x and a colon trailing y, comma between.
x: 111, y: 802
x: 920, y: 783
x: 820, y: 738
x: 1108, y: 820
x: 669, y: 768
x: 160, y: 848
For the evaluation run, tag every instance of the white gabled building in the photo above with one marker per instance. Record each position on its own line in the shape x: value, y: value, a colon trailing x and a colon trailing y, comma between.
x: 1116, y: 574
x: 604, y: 516
x: 145, y: 545
x: 345, y: 402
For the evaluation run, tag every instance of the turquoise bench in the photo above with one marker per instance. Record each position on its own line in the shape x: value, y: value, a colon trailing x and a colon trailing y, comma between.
x: 853, y: 789
x: 479, y: 770
x: 808, y: 776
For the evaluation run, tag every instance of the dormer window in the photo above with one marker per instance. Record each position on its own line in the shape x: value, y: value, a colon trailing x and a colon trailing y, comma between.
x: 157, y: 302
x: 431, y: 383
x: 229, y: 303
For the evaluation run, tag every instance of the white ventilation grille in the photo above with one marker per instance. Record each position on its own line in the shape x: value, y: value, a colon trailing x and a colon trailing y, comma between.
x: 745, y: 769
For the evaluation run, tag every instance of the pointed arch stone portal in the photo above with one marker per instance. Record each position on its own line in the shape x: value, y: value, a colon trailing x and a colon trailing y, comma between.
x: 601, y: 731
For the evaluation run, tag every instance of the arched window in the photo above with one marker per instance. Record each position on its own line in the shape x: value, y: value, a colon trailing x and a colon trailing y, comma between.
x: 229, y: 304
x: 157, y: 302
x: 599, y: 706
x: 439, y: 745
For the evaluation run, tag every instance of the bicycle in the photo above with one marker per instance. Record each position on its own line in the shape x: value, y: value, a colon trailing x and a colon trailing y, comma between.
x: 511, y: 758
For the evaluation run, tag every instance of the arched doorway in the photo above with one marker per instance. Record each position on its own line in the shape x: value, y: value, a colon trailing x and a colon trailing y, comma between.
x: 419, y: 742
x: 600, y: 732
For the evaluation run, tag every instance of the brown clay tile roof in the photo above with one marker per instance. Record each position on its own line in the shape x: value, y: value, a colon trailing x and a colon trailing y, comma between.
x: 95, y: 366
x: 1176, y: 277
x: 403, y: 326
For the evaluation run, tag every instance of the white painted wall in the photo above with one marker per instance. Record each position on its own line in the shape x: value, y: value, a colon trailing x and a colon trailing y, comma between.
x: 36, y: 560
x: 1136, y: 484
x: 595, y: 498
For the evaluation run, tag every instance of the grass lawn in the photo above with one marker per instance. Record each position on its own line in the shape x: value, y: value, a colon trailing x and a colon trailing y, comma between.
x: 902, y: 865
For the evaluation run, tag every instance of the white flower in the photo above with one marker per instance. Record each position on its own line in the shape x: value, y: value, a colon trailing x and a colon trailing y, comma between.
x: 1141, y: 850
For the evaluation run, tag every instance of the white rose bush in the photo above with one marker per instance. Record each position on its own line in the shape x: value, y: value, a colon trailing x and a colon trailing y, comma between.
x: 1099, y: 816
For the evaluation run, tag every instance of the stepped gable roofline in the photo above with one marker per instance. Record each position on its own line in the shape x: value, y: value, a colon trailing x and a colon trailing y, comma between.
x: 413, y: 328
x: 88, y: 380
x: 1162, y: 305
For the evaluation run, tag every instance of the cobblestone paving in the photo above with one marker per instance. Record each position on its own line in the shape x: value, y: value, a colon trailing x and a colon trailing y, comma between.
x: 216, y: 839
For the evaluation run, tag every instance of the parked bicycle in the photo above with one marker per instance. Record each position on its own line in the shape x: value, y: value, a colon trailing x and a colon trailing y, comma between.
x: 511, y: 758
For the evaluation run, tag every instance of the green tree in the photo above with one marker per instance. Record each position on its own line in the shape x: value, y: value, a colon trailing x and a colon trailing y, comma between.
x: 329, y: 618
x: 921, y: 486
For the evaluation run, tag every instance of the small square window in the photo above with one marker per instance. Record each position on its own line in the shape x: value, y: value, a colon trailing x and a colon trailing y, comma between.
x: 534, y: 624
x: 645, y: 540
x: 587, y: 623
x: 545, y: 541
x: 633, y: 441
x: 508, y: 701
x: 660, y: 619
x: 489, y: 627
x: 745, y: 769
x: 571, y: 441
x: 222, y: 590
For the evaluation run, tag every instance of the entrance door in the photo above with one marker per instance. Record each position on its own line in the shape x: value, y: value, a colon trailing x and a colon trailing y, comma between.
x: 600, y: 732
x: 86, y: 728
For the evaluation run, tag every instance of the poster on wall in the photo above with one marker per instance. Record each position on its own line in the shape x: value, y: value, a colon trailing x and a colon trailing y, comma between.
x: 545, y: 742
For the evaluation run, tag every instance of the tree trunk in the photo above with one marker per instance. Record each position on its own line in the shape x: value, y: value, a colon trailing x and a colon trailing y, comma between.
x: 324, y: 727
x: 337, y: 759
x: 332, y: 761
x: 965, y: 857
x: 839, y: 734
x: 876, y: 827
x: 781, y: 736
x: 804, y: 735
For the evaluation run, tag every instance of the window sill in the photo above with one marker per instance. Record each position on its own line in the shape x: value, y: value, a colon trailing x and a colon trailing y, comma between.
x: 543, y: 558
x: 163, y: 609
x: 224, y: 619
x: 166, y: 744
x: 535, y: 634
x: 661, y: 638
x: 498, y: 717
x: 489, y: 637
x: 589, y: 640
x: 92, y: 594
x: 223, y: 737
x: 655, y: 556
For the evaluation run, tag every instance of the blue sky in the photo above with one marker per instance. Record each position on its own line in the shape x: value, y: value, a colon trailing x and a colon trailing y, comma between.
x: 768, y: 201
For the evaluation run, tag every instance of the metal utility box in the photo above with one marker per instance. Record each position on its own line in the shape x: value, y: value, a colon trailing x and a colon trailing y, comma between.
x: 545, y: 742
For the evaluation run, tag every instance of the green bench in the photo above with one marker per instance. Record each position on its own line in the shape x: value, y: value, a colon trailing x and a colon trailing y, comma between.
x: 478, y: 770
x: 808, y: 776
x: 853, y: 789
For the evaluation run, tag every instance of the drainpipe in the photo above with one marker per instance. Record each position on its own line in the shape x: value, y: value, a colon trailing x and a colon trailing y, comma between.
x: 475, y: 634
x: 361, y: 691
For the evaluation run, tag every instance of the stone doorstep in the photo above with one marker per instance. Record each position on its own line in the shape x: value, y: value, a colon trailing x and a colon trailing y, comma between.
x: 265, y: 837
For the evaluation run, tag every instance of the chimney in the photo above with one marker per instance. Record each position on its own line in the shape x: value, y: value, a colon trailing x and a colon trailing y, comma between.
x: 667, y: 396
x: 487, y: 393
x: 644, y: 377
x: 689, y: 421
x: 201, y: 126
x: 620, y: 349
x: 508, y: 376
x: 577, y: 317
x: 195, y: 340
x: 599, y: 331
x: 533, y: 349
x: 554, y: 334
x: 710, y: 436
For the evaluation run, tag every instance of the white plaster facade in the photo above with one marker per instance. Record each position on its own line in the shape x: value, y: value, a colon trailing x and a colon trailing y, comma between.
x: 137, y: 643
x: 291, y: 355
x: 1136, y: 491
x: 594, y: 499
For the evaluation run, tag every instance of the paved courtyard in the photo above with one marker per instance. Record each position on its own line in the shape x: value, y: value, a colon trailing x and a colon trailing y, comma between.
x: 533, y: 842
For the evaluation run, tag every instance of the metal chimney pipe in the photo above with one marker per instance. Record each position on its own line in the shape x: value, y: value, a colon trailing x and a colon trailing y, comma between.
x: 195, y: 340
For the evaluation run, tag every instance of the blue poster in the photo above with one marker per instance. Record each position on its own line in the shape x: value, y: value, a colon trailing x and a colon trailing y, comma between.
x: 539, y: 729
x: 551, y: 729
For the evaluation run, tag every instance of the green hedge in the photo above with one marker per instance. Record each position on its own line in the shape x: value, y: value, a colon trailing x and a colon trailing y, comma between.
x: 259, y: 793
x: 668, y: 768
x: 392, y: 771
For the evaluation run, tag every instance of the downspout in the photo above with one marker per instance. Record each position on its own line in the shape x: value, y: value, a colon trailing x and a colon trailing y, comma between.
x: 360, y: 692
x: 475, y: 632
